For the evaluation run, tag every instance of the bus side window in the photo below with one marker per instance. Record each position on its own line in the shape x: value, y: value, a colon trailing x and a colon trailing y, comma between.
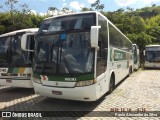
x: 103, y: 46
x: 30, y: 46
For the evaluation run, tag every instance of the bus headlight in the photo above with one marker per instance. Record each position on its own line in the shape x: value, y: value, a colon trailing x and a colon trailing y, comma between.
x: 36, y: 80
x: 85, y: 83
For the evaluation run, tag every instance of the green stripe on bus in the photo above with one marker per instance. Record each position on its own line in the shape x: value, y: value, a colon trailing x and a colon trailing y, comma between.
x: 119, y: 55
x: 13, y: 70
x: 10, y: 70
x: 84, y: 77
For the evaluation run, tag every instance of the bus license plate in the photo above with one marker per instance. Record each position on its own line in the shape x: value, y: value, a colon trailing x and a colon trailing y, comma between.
x: 9, y: 81
x: 57, y: 92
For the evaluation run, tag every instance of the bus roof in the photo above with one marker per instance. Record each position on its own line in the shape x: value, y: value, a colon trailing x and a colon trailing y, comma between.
x: 87, y: 12
x: 29, y: 30
x: 152, y: 45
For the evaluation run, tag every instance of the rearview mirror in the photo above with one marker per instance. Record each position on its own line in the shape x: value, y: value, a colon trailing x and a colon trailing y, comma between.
x: 94, y: 36
x: 144, y: 52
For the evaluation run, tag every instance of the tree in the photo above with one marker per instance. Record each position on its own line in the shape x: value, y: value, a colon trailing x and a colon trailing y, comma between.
x: 86, y: 9
x: 120, y: 10
x: 53, y: 10
x: 11, y: 3
x: 66, y: 10
x: 154, y: 5
x: 97, y: 5
x: 141, y: 39
x: 25, y: 9
x: 153, y: 27
x: 129, y: 9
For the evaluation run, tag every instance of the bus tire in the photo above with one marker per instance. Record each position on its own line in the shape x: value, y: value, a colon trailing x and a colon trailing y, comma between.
x: 111, y: 84
x: 130, y: 71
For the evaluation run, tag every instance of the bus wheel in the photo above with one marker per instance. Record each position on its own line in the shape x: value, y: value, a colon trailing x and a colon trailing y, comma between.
x: 130, y: 71
x: 111, y: 84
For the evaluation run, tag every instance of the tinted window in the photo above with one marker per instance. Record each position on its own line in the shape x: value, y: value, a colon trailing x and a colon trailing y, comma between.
x: 4, y: 50
x: 74, y: 22
x: 117, y: 39
x: 103, y: 46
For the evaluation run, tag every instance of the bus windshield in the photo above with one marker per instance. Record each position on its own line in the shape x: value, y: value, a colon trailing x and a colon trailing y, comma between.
x: 63, y: 45
x: 11, y: 53
x: 153, y: 56
x: 73, y: 55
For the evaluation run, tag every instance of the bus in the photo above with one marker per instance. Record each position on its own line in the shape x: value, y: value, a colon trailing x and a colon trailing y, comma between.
x: 15, y: 64
x: 152, y: 56
x: 136, y: 57
x: 79, y: 56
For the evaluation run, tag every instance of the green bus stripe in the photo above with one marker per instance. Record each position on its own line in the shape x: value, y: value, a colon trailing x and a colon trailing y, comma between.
x: 84, y: 77
x: 10, y: 70
x: 13, y: 70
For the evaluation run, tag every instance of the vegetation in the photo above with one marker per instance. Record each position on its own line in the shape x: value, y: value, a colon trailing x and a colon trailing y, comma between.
x: 142, y: 26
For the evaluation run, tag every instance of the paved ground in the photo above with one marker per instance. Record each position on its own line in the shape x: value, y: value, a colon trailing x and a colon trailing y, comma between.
x: 140, y: 91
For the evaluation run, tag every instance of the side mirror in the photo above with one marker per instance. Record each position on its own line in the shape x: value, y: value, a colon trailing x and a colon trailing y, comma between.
x: 134, y: 48
x: 144, y: 52
x: 24, y: 42
x: 94, y: 36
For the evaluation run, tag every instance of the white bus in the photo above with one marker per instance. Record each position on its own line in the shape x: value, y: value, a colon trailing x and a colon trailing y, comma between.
x: 136, y: 57
x: 152, y: 56
x: 15, y: 64
x: 80, y: 56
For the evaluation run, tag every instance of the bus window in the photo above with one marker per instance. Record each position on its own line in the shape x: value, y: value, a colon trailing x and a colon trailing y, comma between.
x: 4, y: 50
x: 115, y: 37
x: 103, y: 46
x: 17, y: 54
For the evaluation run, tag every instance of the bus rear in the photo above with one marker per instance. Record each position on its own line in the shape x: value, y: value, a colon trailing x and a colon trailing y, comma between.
x: 152, y: 56
x: 15, y: 64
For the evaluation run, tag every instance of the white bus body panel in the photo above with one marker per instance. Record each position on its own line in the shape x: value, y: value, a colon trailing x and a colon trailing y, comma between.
x: 77, y: 93
x: 136, y: 66
x: 92, y: 92
x: 17, y: 81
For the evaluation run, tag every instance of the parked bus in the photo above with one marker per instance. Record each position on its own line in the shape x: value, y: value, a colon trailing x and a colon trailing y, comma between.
x: 15, y: 64
x: 136, y: 57
x: 80, y: 56
x: 152, y: 56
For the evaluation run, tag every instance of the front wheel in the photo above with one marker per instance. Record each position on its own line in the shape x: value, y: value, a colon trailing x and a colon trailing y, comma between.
x: 130, y: 71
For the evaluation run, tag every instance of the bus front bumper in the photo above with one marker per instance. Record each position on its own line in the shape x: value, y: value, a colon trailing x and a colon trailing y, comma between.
x: 151, y: 65
x: 16, y: 83
x: 86, y: 93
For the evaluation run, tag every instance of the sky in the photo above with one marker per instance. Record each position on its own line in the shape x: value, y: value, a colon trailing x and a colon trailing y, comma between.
x: 41, y: 6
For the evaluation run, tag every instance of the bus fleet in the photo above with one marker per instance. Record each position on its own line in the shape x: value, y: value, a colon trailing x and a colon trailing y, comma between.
x: 78, y: 56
